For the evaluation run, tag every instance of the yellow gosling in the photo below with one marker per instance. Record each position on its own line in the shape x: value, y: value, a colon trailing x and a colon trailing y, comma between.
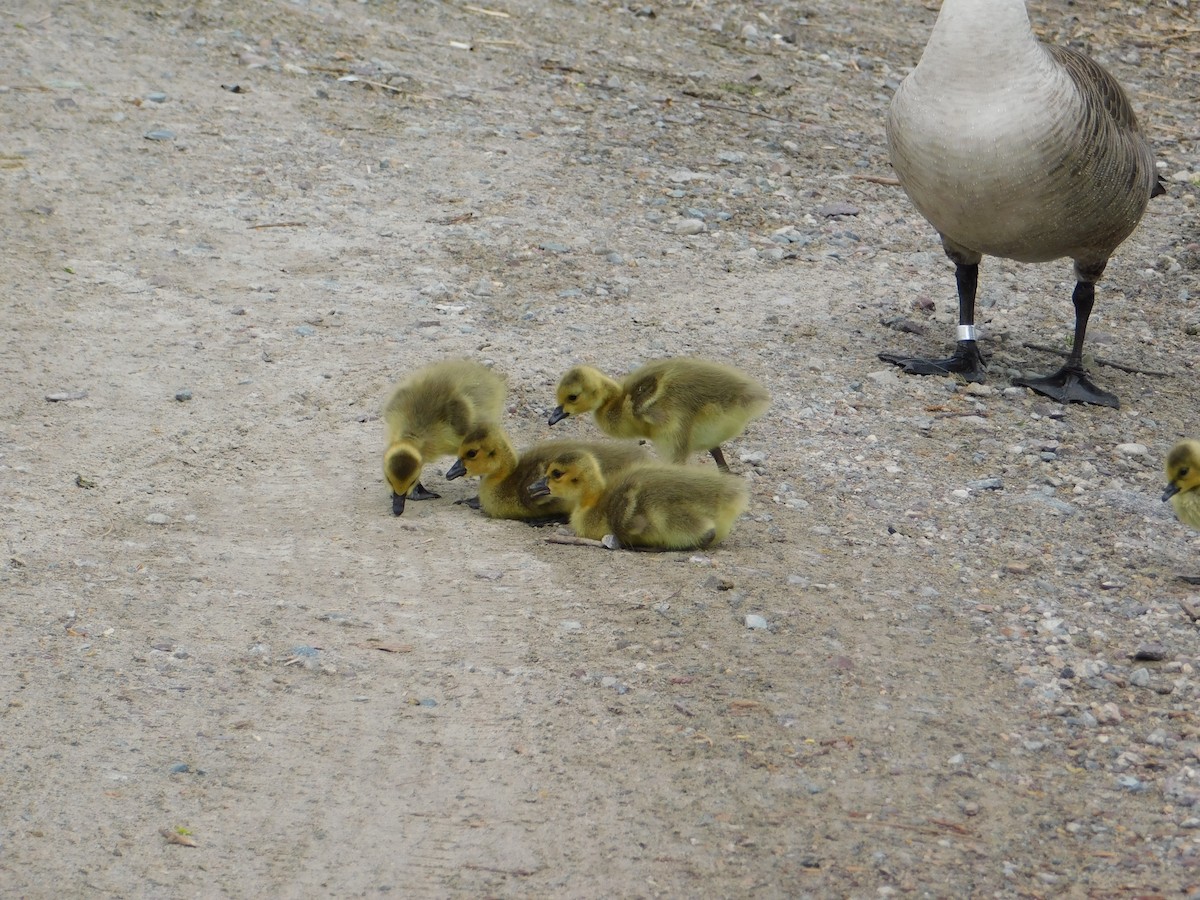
x: 653, y: 506
x: 682, y: 405
x: 505, y: 478
x: 428, y: 414
x: 1183, y: 482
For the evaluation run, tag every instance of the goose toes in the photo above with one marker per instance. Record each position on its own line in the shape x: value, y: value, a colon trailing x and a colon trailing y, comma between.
x: 472, y: 502
x: 967, y: 363
x: 420, y: 492
x: 1070, y: 384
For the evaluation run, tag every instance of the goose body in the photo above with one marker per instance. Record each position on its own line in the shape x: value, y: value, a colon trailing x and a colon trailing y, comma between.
x: 652, y: 506
x: 1183, y: 482
x: 681, y: 405
x: 1023, y: 150
x: 505, y: 478
x: 428, y: 414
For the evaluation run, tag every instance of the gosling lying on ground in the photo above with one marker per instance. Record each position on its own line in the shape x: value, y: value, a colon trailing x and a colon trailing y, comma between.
x: 428, y: 414
x: 505, y: 479
x: 652, y: 506
x: 681, y: 405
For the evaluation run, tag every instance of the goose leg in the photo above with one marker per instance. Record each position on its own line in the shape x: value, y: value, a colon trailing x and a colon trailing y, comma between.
x: 1071, y: 383
x: 719, y: 459
x: 967, y: 361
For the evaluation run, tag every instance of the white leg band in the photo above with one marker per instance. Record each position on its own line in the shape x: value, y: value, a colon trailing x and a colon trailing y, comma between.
x: 966, y: 332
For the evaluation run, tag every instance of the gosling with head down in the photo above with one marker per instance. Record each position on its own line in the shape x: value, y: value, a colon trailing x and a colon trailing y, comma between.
x: 680, y: 405
x: 654, y: 506
x: 428, y: 414
x: 505, y: 478
x: 1183, y: 481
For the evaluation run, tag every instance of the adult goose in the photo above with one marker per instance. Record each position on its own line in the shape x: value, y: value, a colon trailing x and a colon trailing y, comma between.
x: 1015, y: 148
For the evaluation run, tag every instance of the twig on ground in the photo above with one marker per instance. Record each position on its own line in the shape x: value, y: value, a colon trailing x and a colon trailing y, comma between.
x: 1112, y: 364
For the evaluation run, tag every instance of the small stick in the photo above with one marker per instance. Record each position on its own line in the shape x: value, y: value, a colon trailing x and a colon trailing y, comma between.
x: 1191, y: 611
x: 878, y: 179
x: 574, y: 541
x: 282, y: 225
x: 382, y: 85
x: 745, y: 112
x: 1100, y: 362
x: 500, y: 14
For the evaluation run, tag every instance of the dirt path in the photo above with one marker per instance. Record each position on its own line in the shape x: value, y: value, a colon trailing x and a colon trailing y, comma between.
x: 216, y: 634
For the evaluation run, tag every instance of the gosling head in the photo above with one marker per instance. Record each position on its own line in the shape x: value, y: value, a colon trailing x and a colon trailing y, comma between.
x: 477, y: 454
x: 1183, y: 468
x: 402, y: 469
x: 578, y: 392
x: 570, y: 476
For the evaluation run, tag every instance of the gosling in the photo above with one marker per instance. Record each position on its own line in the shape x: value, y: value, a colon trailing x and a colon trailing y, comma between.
x: 428, y: 414
x: 505, y: 478
x: 680, y: 405
x: 653, y: 506
x: 1183, y: 482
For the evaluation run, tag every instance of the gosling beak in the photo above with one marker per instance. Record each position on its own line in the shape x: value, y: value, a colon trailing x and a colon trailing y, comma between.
x: 539, y: 488
x: 1170, y: 492
x: 397, y: 504
x: 458, y: 470
x: 558, y: 415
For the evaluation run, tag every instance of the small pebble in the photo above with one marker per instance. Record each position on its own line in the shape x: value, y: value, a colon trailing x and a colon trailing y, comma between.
x: 305, y: 330
x: 183, y: 395
x: 60, y: 396
x: 1152, y: 651
x: 571, y: 626
x: 160, y: 134
x: 987, y: 484
x: 1132, y: 449
x: 838, y: 208
x: 755, y: 622
x: 688, y: 226
x: 157, y: 519
x: 1130, y: 783
x: 156, y: 97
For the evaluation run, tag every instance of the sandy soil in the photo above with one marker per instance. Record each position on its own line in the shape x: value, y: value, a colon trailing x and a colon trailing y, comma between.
x: 227, y: 670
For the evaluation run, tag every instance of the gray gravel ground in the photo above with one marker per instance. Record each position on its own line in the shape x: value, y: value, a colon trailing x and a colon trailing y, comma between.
x: 229, y: 671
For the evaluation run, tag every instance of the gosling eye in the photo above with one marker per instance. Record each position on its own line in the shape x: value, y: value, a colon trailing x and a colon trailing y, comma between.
x: 556, y: 473
x: 571, y: 398
x: 1183, y: 472
x: 471, y: 454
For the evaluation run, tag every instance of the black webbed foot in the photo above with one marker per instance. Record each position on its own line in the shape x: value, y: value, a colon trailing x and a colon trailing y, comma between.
x: 542, y: 521
x: 472, y: 502
x: 967, y: 362
x: 420, y: 492
x: 1070, y: 384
